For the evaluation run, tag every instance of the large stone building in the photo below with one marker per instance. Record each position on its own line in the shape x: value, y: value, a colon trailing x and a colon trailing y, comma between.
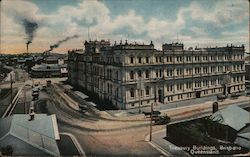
x: 118, y: 72
x: 247, y: 64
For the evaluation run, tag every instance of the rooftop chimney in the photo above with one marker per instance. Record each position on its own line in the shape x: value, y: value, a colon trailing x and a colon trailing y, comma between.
x: 27, y: 46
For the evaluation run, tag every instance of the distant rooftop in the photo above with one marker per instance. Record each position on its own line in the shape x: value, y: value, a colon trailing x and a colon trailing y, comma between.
x: 48, y: 67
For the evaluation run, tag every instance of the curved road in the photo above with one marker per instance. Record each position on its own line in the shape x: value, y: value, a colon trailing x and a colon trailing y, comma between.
x: 102, y: 136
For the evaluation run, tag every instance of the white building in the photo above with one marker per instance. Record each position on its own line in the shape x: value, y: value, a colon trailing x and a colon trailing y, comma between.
x: 173, y: 74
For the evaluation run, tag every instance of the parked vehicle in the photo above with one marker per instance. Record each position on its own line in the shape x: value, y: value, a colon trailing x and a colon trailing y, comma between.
x: 235, y: 95
x: 161, y: 120
x: 48, y: 82
x: 155, y: 113
x: 221, y: 97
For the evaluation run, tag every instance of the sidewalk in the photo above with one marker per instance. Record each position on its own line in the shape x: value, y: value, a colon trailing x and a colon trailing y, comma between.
x: 193, y: 104
x: 164, y: 146
x: 177, y: 104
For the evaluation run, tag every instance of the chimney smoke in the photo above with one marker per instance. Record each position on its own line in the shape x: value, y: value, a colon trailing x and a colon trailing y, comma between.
x: 30, y: 29
x: 60, y: 42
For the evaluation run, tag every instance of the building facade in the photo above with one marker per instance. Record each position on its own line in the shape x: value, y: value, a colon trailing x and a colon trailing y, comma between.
x: 49, y: 70
x: 132, y: 75
x: 247, y: 66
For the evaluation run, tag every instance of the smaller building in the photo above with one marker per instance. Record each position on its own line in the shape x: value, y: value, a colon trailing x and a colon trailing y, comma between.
x: 30, y: 137
x: 49, y: 70
x: 232, y: 116
x: 243, y: 137
x: 230, y: 121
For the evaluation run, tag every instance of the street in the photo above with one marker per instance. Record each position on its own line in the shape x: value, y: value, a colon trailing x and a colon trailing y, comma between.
x: 99, y: 133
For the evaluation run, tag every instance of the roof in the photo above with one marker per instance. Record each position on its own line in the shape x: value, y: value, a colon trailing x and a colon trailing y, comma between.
x: 64, y: 70
x: 48, y: 67
x: 80, y: 94
x: 41, y: 133
x: 243, y: 139
x: 66, y: 86
x: 233, y: 116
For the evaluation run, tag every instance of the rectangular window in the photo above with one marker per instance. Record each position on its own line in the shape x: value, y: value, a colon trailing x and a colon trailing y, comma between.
x: 147, y: 90
x: 131, y: 75
x: 131, y: 60
x: 169, y: 88
x: 147, y: 74
x: 139, y: 59
x: 160, y: 59
x: 132, y: 93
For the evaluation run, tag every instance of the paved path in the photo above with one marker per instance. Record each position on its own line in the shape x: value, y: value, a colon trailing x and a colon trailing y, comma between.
x: 91, y: 120
x: 177, y: 104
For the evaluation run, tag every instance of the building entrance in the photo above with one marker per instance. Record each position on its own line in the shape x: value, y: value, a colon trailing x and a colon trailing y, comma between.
x: 160, y: 96
x: 198, y: 94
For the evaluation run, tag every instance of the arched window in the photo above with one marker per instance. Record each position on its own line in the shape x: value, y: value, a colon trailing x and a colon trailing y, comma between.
x: 132, y: 92
x: 117, y: 75
x: 147, y: 73
x: 147, y: 90
x: 131, y: 75
x: 140, y: 60
x: 147, y: 59
x: 131, y: 59
x: 139, y: 73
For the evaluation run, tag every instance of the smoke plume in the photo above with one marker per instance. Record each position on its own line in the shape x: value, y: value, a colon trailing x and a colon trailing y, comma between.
x: 30, y: 29
x: 60, y: 42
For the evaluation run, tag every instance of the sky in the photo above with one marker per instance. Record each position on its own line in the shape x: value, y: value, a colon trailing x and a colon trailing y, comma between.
x: 202, y: 23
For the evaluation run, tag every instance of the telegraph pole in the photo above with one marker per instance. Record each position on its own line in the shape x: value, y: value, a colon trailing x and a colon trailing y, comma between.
x: 151, y: 123
x: 11, y: 91
x: 24, y: 100
x: 151, y: 115
x: 140, y: 82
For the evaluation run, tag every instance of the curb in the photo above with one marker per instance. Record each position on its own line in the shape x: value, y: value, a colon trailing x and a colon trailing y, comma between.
x: 156, y: 146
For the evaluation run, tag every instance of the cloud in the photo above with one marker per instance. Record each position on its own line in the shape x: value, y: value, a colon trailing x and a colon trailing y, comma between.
x: 194, y: 23
x: 225, y: 12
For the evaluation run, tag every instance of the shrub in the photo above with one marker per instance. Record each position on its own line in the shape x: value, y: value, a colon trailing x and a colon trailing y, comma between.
x: 8, y: 150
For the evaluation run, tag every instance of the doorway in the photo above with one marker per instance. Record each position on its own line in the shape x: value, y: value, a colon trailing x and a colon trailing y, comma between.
x: 198, y: 94
x: 160, y: 95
